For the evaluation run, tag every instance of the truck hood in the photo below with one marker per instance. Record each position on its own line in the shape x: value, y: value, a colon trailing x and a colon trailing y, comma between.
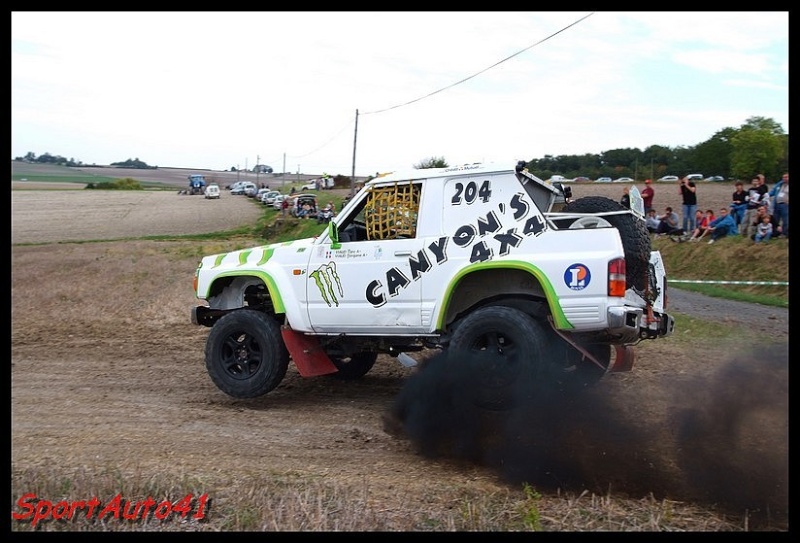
x: 250, y: 260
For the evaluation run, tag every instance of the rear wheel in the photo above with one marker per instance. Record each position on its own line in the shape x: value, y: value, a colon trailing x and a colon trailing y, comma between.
x: 245, y: 354
x: 502, y: 351
x: 353, y: 367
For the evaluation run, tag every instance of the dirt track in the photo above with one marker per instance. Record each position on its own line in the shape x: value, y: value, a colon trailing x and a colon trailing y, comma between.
x: 107, y: 374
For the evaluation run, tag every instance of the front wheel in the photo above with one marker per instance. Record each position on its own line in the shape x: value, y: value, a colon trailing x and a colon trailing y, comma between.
x: 245, y: 354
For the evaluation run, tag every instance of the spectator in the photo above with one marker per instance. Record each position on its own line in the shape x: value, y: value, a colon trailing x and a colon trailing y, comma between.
x: 755, y: 196
x: 668, y: 223
x: 764, y: 229
x: 779, y: 197
x: 285, y: 206
x: 702, y: 220
x: 689, y: 196
x: 626, y: 198
x: 651, y: 220
x: 762, y: 212
x: 763, y: 181
x: 722, y: 226
x: 305, y: 211
x: 647, y: 195
x: 739, y: 205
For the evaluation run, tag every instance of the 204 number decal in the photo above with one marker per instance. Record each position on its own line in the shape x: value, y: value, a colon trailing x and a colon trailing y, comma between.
x: 470, y: 192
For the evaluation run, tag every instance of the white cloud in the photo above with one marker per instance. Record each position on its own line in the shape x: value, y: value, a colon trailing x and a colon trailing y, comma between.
x: 216, y: 89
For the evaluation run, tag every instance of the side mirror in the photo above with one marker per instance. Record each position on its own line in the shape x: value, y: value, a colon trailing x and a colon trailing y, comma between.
x: 333, y: 235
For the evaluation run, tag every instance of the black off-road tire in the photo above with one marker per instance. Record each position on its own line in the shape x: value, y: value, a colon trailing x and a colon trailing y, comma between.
x: 353, y: 367
x: 502, y: 350
x: 245, y: 354
x: 632, y: 231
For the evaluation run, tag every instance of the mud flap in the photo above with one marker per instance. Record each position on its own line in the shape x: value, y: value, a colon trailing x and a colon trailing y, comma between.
x: 624, y: 359
x: 307, y: 353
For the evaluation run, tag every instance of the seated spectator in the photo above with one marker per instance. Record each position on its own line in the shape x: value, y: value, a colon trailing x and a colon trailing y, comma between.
x: 764, y: 229
x: 668, y: 223
x: 722, y: 226
x: 762, y: 212
x: 703, y: 220
x: 305, y: 211
x: 651, y: 220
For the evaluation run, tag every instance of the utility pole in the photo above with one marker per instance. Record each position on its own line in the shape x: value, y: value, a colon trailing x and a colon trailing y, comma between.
x: 353, y: 175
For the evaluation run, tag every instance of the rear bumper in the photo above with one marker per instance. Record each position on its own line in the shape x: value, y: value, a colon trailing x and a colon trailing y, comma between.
x: 635, y: 322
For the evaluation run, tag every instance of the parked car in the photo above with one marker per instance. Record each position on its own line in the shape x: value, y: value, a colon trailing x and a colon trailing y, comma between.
x: 297, y: 203
x: 581, y: 179
x: 624, y: 180
x: 277, y: 202
x: 695, y: 177
x: 251, y: 191
x: 668, y: 178
x: 603, y: 180
x: 309, y: 186
x: 269, y: 197
x: 715, y: 178
x: 211, y: 192
x: 243, y: 187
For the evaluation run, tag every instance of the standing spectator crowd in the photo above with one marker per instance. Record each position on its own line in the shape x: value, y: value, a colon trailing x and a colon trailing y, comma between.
x: 758, y: 212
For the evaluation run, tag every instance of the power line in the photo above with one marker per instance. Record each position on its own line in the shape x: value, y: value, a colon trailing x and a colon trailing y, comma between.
x: 482, y: 71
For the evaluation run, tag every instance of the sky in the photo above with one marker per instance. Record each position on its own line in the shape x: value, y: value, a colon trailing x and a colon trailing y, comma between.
x: 372, y: 92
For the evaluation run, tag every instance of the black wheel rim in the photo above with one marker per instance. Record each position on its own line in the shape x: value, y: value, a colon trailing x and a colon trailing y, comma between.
x: 241, y: 356
x: 498, y: 358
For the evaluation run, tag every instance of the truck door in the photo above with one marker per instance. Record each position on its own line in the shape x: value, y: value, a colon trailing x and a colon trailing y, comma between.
x: 371, y: 280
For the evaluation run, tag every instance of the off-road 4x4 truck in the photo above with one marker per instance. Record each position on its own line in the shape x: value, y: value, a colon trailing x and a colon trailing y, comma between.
x: 477, y: 259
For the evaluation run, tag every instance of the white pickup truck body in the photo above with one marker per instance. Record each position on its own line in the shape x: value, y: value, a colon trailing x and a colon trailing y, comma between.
x: 415, y: 253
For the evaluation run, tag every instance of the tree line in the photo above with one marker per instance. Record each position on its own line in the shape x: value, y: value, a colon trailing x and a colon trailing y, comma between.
x: 760, y: 145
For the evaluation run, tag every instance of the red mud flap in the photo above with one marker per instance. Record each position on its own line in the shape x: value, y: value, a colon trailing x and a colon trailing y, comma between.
x: 625, y: 357
x: 307, y: 354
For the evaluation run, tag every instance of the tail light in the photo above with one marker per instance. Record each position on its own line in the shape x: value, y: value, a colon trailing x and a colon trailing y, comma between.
x: 616, y: 277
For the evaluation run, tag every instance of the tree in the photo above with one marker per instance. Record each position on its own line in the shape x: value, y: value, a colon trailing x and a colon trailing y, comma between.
x: 756, y: 151
x: 431, y: 162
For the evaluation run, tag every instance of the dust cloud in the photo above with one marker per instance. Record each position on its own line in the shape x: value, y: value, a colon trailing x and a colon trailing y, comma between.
x: 720, y: 441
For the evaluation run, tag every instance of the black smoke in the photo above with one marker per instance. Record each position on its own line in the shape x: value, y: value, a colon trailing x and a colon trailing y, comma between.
x: 720, y: 440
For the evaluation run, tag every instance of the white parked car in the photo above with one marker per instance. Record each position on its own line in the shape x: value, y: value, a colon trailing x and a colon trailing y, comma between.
x: 695, y: 177
x: 624, y: 180
x: 277, y: 202
x: 243, y: 187
x: 603, y: 180
x: 212, y: 192
x: 269, y: 197
x: 668, y: 178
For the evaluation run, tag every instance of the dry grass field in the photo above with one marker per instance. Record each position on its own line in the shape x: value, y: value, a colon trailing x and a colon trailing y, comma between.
x: 109, y: 396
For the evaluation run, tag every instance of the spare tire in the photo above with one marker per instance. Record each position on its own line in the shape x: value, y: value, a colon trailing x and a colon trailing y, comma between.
x: 632, y: 231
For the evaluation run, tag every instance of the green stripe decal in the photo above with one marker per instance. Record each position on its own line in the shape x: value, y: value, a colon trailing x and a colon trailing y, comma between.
x: 266, y: 255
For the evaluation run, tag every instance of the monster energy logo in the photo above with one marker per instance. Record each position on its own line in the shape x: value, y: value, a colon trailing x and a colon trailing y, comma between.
x: 327, y: 273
